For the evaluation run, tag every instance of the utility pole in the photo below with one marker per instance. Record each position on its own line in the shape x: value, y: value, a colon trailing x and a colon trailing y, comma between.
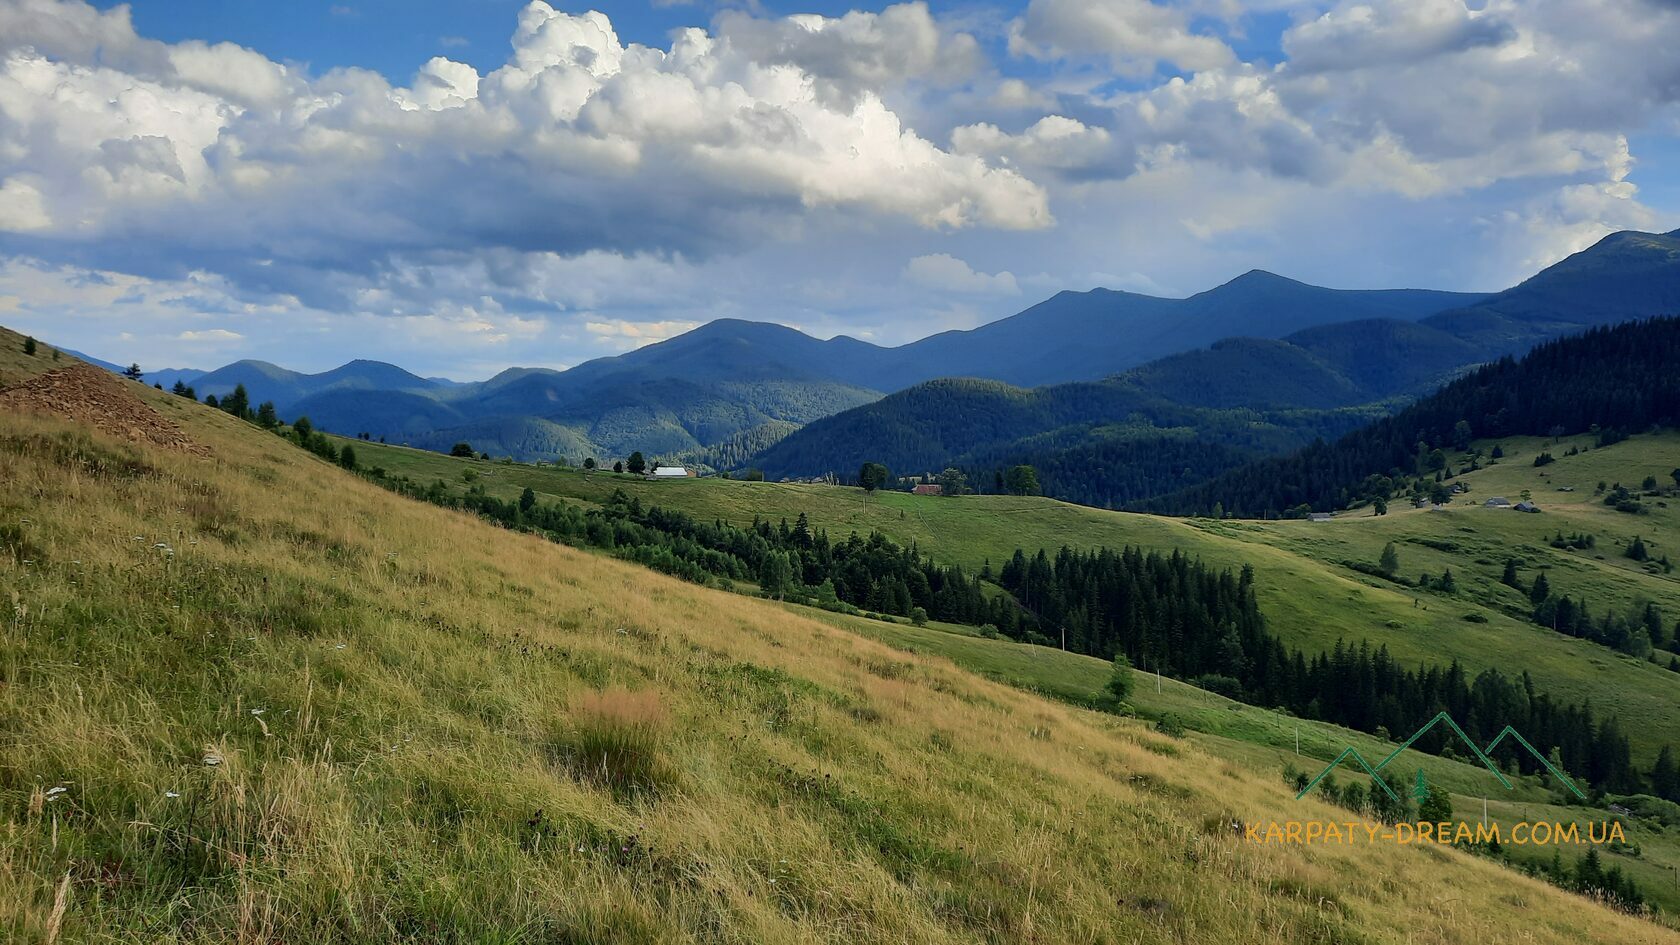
x: 1064, y: 639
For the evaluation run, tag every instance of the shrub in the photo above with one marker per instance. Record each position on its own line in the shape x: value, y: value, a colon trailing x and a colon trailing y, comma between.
x: 1226, y: 686
x: 1170, y: 724
x: 1119, y: 683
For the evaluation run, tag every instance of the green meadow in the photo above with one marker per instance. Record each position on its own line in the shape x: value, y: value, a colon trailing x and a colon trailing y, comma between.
x: 1311, y: 594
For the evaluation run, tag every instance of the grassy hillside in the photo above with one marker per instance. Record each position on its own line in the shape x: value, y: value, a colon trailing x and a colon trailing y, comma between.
x: 1267, y: 741
x: 250, y: 697
x: 1309, y: 593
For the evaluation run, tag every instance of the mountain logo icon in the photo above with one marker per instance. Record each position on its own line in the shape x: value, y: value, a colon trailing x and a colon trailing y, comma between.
x: 1421, y: 789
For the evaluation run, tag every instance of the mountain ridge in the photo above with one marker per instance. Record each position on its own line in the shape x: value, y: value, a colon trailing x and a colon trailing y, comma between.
x: 1326, y: 368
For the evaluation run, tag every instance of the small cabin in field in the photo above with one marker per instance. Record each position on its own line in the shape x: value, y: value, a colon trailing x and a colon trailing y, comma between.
x: 671, y: 472
x: 1497, y: 502
x: 1526, y: 506
x: 928, y: 488
x: 1321, y: 516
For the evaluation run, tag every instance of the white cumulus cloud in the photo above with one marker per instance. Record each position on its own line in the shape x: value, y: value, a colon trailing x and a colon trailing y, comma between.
x: 947, y: 273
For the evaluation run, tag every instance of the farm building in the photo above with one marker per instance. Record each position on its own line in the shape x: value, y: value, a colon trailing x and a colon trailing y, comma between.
x: 1320, y: 516
x: 1526, y: 506
x: 671, y: 472
x: 1497, y: 502
x: 928, y: 488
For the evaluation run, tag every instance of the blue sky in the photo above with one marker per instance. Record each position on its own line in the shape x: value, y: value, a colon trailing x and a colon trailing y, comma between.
x: 463, y: 186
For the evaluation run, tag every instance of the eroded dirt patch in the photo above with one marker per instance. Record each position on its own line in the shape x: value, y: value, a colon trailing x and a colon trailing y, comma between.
x: 96, y: 397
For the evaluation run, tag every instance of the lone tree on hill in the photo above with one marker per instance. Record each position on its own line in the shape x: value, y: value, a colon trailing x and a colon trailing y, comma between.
x: 953, y: 481
x: 1390, y: 562
x: 618, y: 466
x: 133, y: 372
x: 267, y: 417
x: 347, y: 457
x: 462, y: 449
x: 872, y: 476
x: 29, y: 346
x: 637, y: 463
x: 1021, y: 480
x: 1119, y: 683
x: 589, y: 462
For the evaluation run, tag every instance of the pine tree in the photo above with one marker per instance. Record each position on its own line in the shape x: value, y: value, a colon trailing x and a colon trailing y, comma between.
x: 1390, y: 563
x: 133, y: 372
x: 637, y: 464
x: 267, y: 417
x: 1509, y: 578
x: 237, y: 403
x: 1539, y: 590
x: 1665, y: 775
x: 29, y: 346
x: 527, y: 500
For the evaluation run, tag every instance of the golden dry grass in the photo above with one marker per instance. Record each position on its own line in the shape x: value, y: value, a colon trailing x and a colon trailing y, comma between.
x: 287, y: 706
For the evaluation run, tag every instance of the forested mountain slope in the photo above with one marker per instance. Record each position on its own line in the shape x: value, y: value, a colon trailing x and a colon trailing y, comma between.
x: 1622, y: 379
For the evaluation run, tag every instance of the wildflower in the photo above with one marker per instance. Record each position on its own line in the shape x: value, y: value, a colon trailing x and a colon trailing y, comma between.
x: 212, y: 759
x: 54, y: 792
x: 170, y: 794
x: 258, y: 711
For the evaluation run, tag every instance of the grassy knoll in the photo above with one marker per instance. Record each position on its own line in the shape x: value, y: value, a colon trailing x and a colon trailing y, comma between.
x: 249, y: 697
x: 1310, y: 595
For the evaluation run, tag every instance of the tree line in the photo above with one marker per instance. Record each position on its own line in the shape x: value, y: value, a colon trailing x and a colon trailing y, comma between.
x: 1170, y: 613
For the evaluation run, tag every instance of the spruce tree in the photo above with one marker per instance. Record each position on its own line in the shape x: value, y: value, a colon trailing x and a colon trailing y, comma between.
x: 1390, y: 562
x: 1509, y: 578
x: 1665, y: 775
